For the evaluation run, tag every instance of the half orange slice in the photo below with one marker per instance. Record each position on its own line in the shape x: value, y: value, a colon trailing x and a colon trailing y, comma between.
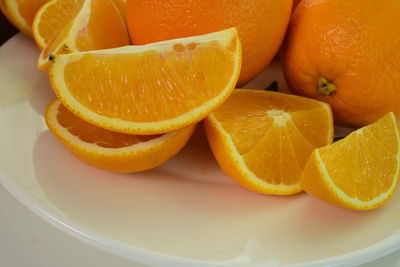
x: 150, y: 89
x: 263, y: 139
x: 113, y: 151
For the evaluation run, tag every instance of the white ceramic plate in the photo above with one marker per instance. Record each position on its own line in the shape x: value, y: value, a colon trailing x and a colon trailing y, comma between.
x: 184, y: 213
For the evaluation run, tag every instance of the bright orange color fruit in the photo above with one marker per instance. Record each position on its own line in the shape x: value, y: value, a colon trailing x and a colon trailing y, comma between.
x: 151, y: 89
x: 21, y: 12
x: 261, y: 24
x: 96, y: 24
x: 263, y: 139
x: 121, y: 5
x: 295, y: 3
x: 55, y: 14
x: 51, y: 18
x: 113, y: 151
x: 360, y: 171
x: 345, y: 53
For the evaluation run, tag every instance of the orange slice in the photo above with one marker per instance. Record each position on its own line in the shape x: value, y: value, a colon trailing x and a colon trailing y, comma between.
x: 97, y: 24
x: 55, y: 14
x: 51, y: 18
x: 359, y: 172
x: 110, y: 150
x: 150, y: 89
x: 263, y: 139
x: 21, y: 12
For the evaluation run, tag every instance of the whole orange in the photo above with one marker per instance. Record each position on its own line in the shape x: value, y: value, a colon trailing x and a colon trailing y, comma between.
x: 261, y: 24
x: 345, y: 52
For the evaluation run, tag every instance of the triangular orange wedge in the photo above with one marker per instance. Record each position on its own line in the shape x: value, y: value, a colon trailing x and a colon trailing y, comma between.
x: 52, y: 17
x: 150, y: 89
x: 97, y: 24
x: 55, y: 14
x: 360, y: 171
x: 263, y: 139
x: 110, y: 150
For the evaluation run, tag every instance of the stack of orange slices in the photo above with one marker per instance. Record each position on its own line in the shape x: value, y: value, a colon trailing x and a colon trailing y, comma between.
x: 132, y: 108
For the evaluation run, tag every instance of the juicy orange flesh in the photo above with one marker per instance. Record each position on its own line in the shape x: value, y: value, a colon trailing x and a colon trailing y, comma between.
x: 57, y: 45
x: 105, y: 29
x: 28, y: 8
x: 364, y: 164
x: 57, y: 16
x: 95, y: 135
x: 270, y: 130
x: 150, y: 85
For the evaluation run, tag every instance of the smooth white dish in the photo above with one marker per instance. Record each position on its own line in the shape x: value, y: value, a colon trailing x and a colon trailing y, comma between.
x: 184, y: 213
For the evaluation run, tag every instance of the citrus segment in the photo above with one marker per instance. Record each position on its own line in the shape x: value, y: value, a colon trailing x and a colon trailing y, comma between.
x: 52, y: 17
x: 149, y: 89
x: 110, y: 150
x: 263, y: 139
x: 96, y: 25
x: 358, y: 172
x: 21, y: 13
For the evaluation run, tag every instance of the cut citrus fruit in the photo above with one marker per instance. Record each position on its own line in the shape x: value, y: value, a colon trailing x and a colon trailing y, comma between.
x: 51, y: 18
x: 263, y: 139
x: 150, y: 89
x: 113, y: 151
x: 96, y: 25
x: 21, y: 12
x: 54, y: 15
x: 360, y: 171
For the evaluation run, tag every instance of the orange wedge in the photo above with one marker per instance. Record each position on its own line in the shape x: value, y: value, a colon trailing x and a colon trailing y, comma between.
x: 97, y: 24
x: 21, y: 12
x: 359, y: 172
x: 55, y: 14
x: 263, y: 139
x: 110, y: 150
x: 51, y: 18
x: 150, y: 89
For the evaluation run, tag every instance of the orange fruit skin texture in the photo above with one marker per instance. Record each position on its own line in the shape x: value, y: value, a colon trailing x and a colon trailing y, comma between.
x: 352, y: 43
x: 261, y: 25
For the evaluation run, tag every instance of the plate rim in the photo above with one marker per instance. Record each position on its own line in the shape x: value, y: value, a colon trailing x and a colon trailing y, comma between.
x: 139, y: 255
x: 367, y: 254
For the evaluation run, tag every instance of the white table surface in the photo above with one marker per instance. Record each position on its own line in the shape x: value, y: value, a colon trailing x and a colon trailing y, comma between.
x: 28, y: 241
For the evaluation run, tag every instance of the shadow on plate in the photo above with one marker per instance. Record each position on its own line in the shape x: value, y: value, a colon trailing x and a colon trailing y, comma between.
x: 188, y: 207
x: 187, y: 198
